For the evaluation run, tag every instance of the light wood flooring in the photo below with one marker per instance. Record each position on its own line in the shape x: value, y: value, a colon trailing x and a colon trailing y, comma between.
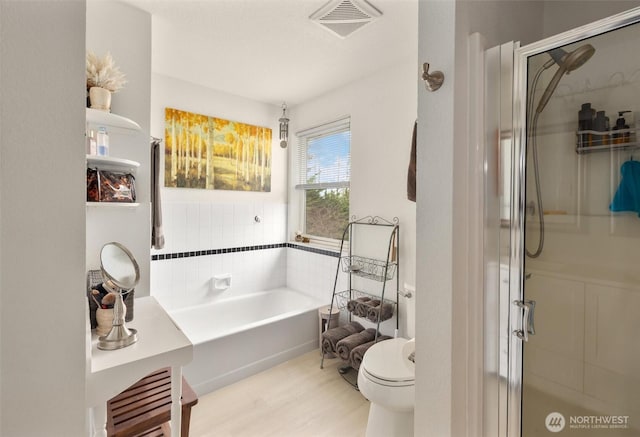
x: 293, y: 399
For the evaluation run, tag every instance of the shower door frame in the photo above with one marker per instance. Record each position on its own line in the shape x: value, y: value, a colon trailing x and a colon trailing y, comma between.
x: 518, y: 178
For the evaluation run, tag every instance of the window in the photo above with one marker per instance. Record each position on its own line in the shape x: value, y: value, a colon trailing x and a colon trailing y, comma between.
x: 324, y: 171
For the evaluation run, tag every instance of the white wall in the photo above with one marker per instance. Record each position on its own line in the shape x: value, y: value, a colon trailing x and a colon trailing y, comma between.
x: 382, y: 107
x: 125, y: 32
x: 43, y: 310
x: 562, y: 15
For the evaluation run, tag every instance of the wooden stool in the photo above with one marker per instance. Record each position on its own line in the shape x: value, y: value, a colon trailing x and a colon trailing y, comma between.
x: 144, y: 409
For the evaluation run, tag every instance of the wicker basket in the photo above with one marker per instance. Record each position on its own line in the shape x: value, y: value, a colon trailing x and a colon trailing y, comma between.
x: 94, y: 277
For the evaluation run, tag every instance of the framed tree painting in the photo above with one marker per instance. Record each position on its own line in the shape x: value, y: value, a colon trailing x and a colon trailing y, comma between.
x: 215, y: 154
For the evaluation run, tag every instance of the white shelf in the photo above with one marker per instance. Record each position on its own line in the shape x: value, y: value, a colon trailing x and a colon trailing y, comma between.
x: 102, y: 118
x: 110, y: 161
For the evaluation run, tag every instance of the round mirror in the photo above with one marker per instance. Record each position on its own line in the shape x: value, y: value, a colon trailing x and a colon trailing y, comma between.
x: 119, y: 266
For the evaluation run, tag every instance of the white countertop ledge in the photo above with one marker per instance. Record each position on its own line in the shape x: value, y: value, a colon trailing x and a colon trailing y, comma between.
x: 160, y: 344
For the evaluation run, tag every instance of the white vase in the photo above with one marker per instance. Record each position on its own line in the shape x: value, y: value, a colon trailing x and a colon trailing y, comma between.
x: 100, y: 98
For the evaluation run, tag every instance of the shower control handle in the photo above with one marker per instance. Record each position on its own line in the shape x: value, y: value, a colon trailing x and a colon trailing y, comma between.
x: 528, y: 327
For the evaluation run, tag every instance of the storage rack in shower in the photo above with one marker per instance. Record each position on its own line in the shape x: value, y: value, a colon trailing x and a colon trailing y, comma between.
x: 590, y: 141
x: 380, y: 271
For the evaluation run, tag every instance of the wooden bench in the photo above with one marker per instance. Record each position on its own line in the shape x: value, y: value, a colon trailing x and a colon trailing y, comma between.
x: 144, y: 409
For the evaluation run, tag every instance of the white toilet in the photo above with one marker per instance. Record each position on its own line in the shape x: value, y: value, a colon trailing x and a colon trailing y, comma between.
x: 387, y: 378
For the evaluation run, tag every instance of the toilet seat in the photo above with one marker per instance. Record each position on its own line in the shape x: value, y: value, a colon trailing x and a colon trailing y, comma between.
x: 385, y: 364
x: 387, y: 382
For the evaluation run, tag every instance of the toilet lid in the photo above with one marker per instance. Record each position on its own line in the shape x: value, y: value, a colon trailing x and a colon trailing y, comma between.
x: 385, y: 361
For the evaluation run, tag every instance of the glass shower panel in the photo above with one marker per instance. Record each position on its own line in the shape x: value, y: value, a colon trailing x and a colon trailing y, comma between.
x: 581, y: 367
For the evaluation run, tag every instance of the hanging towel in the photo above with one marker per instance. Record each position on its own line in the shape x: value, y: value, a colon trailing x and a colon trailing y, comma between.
x: 411, y: 173
x: 332, y: 336
x: 627, y: 198
x: 346, y: 345
x: 157, y: 234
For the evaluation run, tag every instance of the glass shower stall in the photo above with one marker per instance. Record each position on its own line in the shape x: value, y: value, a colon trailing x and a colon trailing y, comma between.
x: 563, y: 353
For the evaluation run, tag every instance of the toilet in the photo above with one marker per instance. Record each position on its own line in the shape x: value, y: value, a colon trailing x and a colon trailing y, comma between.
x: 387, y: 378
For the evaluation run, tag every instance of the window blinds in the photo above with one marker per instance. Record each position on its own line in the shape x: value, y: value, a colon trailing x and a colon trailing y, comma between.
x: 324, y: 156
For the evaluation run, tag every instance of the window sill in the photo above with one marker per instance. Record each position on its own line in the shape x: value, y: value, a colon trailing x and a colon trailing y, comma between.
x: 323, y: 248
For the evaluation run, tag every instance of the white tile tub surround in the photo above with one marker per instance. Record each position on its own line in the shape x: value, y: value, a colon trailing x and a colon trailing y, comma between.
x: 193, y: 226
x: 312, y: 273
x: 184, y: 281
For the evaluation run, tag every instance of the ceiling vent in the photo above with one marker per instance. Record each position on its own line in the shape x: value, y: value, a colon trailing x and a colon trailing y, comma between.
x: 343, y: 17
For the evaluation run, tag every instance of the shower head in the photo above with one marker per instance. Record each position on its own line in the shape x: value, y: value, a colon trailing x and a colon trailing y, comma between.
x: 573, y: 60
x: 567, y: 62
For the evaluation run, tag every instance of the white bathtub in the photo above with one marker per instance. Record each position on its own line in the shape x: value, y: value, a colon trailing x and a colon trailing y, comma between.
x: 237, y: 336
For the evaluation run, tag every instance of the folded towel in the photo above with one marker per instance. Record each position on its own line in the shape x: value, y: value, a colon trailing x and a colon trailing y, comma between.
x: 627, y: 198
x: 357, y: 353
x: 352, y: 304
x: 385, y: 311
x: 345, y: 345
x: 362, y: 308
x: 331, y: 337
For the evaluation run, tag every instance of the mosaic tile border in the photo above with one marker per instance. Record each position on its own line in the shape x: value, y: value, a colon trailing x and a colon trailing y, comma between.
x: 176, y: 255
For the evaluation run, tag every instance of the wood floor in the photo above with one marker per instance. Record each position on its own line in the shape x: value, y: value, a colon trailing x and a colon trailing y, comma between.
x: 294, y: 399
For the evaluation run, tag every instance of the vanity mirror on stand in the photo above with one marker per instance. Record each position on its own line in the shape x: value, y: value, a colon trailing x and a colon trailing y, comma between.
x: 121, y: 274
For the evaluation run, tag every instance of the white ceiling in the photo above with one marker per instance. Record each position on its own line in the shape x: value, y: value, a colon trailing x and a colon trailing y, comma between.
x: 269, y: 50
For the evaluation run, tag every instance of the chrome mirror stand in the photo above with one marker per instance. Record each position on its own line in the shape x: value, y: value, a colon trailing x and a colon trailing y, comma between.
x: 119, y: 336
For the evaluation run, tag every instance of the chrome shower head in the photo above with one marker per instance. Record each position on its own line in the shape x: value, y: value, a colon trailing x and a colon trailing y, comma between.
x: 567, y: 62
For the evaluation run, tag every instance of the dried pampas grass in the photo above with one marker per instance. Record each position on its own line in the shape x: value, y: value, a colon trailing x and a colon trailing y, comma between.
x: 103, y: 73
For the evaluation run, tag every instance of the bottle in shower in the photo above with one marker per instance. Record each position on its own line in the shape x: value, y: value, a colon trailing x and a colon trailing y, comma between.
x: 621, y: 125
x: 586, y: 117
x: 601, y: 124
x: 102, y: 141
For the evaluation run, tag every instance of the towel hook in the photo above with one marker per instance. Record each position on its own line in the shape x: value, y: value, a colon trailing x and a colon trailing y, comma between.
x: 432, y: 81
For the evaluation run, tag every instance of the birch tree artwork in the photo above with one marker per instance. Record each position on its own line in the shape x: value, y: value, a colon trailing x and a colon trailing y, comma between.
x: 212, y: 153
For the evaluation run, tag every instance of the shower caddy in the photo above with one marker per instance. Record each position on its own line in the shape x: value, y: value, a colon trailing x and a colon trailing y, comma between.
x: 380, y: 271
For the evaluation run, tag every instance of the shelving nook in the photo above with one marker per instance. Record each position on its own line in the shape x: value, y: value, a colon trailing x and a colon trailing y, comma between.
x: 97, y: 118
x: 377, y: 277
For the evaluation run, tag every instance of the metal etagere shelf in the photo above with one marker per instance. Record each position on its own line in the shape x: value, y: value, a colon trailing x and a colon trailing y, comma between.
x: 384, y: 272
x: 343, y: 297
x: 369, y: 268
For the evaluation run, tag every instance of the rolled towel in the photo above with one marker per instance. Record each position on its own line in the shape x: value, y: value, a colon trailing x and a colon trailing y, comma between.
x: 362, y: 308
x: 352, y: 304
x: 345, y: 345
x: 385, y: 310
x: 357, y: 353
x: 332, y: 336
